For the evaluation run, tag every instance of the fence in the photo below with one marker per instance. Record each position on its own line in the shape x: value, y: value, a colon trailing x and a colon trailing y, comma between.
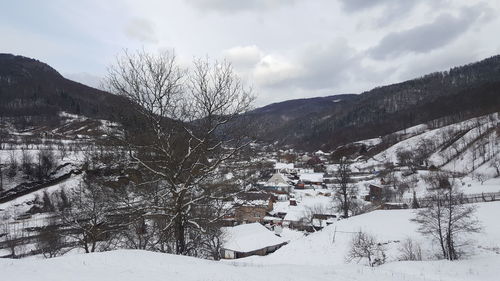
x: 462, y: 199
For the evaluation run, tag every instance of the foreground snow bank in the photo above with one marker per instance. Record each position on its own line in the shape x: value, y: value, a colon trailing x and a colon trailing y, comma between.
x: 125, y: 265
x: 319, y: 256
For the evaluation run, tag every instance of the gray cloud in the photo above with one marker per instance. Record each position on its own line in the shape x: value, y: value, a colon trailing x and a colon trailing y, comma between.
x: 360, y: 5
x: 327, y: 65
x: 264, y: 38
x: 317, y: 67
x: 427, y: 37
x: 142, y: 30
x: 237, y: 6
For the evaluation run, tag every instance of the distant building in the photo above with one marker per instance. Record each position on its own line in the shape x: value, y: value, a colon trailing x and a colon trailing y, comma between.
x: 311, y: 178
x: 252, y: 206
x: 278, y: 182
x: 283, y: 167
x: 375, y: 193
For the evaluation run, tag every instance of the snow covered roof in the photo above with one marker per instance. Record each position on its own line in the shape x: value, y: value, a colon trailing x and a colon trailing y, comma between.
x: 312, y: 177
x: 277, y: 180
x: 253, y: 199
x: 280, y: 166
x: 294, y: 215
x: 250, y: 237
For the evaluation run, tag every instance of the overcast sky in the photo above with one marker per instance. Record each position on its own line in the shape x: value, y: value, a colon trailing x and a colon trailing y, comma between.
x: 285, y: 49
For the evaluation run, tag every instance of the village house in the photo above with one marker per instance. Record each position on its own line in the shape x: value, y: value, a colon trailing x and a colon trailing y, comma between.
x: 248, y: 240
x: 252, y: 206
x: 310, y: 179
x: 375, y: 193
x: 278, y: 182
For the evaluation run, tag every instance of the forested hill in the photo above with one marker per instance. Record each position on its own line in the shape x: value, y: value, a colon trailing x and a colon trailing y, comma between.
x: 451, y: 96
x: 29, y: 87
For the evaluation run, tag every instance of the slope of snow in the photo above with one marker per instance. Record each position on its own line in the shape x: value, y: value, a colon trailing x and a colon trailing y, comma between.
x: 319, y: 256
x: 128, y: 265
x: 329, y: 246
x: 460, y: 154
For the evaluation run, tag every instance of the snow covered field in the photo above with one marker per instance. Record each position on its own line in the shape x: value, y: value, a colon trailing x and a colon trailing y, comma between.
x: 319, y: 256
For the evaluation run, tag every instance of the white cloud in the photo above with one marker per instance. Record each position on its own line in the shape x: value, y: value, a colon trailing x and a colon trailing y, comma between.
x: 237, y: 6
x: 273, y: 70
x: 285, y: 49
x: 243, y: 56
x: 142, y: 30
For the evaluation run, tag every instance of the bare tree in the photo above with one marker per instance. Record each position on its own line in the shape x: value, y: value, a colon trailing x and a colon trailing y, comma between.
x: 410, y: 250
x: 346, y: 190
x: 13, y: 164
x: 27, y: 163
x: 50, y: 242
x: 1, y: 175
x: 187, y: 131
x: 495, y: 163
x: 46, y: 163
x: 311, y: 213
x: 62, y: 149
x: 448, y: 222
x: 14, y: 239
x: 88, y: 216
x: 438, y: 180
x: 364, y: 245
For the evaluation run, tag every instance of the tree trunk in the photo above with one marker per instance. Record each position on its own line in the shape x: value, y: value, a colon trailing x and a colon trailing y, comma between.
x: 179, y: 229
x: 346, y: 206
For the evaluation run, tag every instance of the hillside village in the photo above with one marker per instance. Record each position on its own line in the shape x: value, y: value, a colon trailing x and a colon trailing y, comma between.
x: 222, y: 140
x: 291, y: 194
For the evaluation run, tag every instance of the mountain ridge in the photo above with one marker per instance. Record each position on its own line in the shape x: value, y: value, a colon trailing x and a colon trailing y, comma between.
x: 29, y: 87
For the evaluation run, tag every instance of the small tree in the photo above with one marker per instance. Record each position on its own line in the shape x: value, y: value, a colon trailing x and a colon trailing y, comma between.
x: 346, y: 190
x: 410, y: 250
x: 46, y: 162
x: 13, y: 165
x: 88, y: 216
x: 50, y: 242
x: 309, y: 215
x: 414, y: 201
x: 62, y: 199
x: 364, y: 245
x: 27, y: 163
x: 448, y: 222
x: 14, y: 239
x: 1, y: 175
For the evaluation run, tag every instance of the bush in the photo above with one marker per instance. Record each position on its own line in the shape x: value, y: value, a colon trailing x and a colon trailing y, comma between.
x: 46, y: 163
x: 27, y: 163
x: 364, y: 245
x: 410, y: 251
x: 13, y: 165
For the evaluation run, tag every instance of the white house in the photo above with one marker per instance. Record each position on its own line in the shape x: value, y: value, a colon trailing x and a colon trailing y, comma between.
x: 248, y: 240
x: 283, y: 167
x: 278, y: 182
x: 312, y: 178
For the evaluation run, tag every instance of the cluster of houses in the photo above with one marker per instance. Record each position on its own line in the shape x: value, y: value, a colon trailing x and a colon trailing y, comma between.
x: 276, y: 202
x: 251, y: 230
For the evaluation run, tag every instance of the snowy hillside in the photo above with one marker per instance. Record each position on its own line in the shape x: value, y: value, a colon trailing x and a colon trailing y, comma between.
x: 319, y: 256
x: 466, y: 147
